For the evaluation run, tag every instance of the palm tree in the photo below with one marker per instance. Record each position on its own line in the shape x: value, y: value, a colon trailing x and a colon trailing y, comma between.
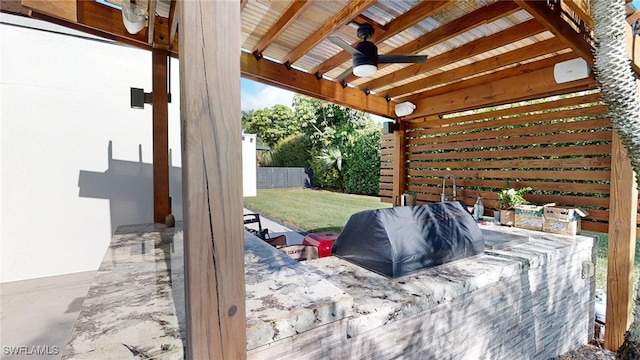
x: 620, y: 93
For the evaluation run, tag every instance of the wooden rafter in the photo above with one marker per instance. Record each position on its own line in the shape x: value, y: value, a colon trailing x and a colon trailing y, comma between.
x: 345, y: 15
x: 559, y: 27
x: 296, y: 8
x: 478, y: 46
x: 417, y: 13
x: 61, y: 9
x: 106, y: 20
x: 474, y: 19
x: 491, y: 77
x: 581, y: 8
x: 279, y: 75
x: 531, y: 85
x: 492, y: 63
x: 152, y: 20
x: 173, y: 26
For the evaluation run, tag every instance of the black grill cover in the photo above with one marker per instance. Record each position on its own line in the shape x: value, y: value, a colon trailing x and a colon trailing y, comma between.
x: 397, y: 241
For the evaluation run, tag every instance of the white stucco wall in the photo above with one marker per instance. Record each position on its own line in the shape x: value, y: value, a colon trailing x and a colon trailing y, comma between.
x: 64, y: 103
x: 249, y: 171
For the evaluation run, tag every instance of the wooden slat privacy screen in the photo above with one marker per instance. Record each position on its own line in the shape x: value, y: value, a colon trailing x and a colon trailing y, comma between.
x: 560, y: 147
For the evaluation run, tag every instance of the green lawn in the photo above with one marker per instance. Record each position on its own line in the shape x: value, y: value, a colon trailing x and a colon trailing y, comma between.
x: 318, y: 210
x: 311, y: 210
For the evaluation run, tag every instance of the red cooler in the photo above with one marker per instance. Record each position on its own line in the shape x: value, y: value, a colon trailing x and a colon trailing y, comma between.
x: 323, y: 241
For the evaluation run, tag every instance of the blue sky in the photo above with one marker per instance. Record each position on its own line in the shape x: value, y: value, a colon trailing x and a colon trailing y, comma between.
x: 256, y: 96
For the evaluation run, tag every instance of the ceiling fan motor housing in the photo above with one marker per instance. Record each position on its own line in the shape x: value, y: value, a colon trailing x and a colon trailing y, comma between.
x: 368, y: 54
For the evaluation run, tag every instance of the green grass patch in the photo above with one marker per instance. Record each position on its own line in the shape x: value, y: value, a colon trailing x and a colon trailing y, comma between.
x: 602, y: 263
x: 311, y: 210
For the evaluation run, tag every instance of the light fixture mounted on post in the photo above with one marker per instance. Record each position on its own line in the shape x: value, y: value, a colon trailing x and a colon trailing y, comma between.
x: 404, y: 109
x: 139, y: 98
x: 389, y: 127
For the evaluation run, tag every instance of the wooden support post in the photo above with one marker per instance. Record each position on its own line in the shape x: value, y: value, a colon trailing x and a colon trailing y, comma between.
x: 623, y: 209
x: 212, y: 179
x: 399, y: 159
x: 160, y: 135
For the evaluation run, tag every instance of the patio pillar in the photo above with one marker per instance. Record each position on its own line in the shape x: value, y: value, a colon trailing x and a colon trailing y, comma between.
x: 399, y: 159
x: 212, y: 179
x: 160, y: 108
x: 623, y: 211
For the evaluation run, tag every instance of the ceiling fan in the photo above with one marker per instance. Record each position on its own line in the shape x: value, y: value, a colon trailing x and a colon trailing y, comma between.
x: 365, y: 54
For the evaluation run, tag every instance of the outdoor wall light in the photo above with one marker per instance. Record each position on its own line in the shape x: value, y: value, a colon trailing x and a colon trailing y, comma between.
x: 139, y: 98
x: 571, y: 70
x: 389, y: 126
x: 404, y: 109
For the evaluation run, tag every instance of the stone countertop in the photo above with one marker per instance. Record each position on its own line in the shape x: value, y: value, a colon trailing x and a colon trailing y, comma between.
x: 285, y: 297
x: 135, y: 306
x: 379, y: 300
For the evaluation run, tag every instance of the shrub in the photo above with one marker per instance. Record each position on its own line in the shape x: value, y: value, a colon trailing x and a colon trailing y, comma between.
x: 361, y: 171
x: 292, y: 151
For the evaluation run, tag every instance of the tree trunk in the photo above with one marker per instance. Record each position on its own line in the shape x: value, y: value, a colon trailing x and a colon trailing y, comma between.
x: 620, y: 92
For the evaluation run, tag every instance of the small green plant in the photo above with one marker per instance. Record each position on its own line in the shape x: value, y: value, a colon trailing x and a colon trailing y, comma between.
x: 508, y: 197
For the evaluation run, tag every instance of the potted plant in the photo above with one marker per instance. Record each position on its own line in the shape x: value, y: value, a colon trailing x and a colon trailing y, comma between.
x: 508, y: 198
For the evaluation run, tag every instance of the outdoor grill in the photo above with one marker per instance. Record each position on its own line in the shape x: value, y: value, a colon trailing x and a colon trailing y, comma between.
x: 401, y: 240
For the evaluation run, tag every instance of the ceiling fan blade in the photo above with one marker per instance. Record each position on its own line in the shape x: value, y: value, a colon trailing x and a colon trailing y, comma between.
x: 346, y: 73
x: 343, y: 44
x: 402, y: 59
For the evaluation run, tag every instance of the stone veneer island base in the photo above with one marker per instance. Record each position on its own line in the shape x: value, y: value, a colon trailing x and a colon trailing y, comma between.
x: 526, y: 300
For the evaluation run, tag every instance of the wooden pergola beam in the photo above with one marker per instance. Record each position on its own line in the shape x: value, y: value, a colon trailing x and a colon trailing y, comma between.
x: 160, y: 109
x: 492, y: 63
x: 345, y: 15
x: 474, y: 19
x: 279, y: 75
x: 212, y: 179
x: 623, y: 210
x: 492, y: 77
x: 292, y: 13
x: 417, y: 13
x: 478, y: 46
x: 531, y: 85
x: 62, y: 9
x: 151, y: 21
x: 559, y: 27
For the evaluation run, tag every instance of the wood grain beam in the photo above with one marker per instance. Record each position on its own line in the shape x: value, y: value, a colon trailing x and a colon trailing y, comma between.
x: 61, y: 9
x: 559, y: 27
x: 623, y: 210
x: 212, y: 180
x: 416, y: 14
x: 528, y: 86
x: 292, y: 13
x: 151, y: 20
x: 491, y: 77
x: 399, y: 158
x: 478, y: 46
x: 463, y: 24
x: 582, y: 8
x: 160, y: 108
x: 279, y: 75
x: 173, y: 23
x: 107, y: 20
x: 341, y: 18
x: 492, y: 63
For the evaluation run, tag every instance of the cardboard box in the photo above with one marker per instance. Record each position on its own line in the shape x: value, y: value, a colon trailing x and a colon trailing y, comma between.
x: 565, y: 221
x: 529, y: 217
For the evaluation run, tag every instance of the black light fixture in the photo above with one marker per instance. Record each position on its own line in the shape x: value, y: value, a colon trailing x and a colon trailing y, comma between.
x: 389, y: 127
x: 139, y: 98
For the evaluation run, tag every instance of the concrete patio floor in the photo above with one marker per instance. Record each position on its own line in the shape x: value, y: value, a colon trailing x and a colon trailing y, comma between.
x: 38, y: 314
